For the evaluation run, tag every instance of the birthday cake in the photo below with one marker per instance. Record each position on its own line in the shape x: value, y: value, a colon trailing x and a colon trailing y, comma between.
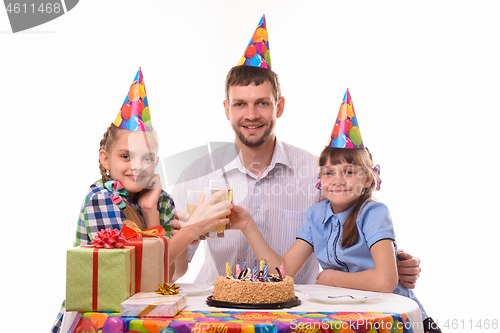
x: 274, y: 289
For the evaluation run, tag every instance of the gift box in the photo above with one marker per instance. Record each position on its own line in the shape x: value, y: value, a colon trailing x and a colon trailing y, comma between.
x: 99, y: 279
x: 153, y: 305
x: 151, y: 256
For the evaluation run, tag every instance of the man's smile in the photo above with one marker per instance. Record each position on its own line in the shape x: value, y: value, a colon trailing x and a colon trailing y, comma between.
x: 252, y: 127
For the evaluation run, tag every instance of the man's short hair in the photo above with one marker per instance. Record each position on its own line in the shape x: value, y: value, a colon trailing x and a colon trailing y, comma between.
x: 245, y: 75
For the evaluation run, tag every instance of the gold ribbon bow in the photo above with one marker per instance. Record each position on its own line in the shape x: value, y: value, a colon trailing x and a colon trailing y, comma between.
x: 155, y: 231
x: 167, y: 289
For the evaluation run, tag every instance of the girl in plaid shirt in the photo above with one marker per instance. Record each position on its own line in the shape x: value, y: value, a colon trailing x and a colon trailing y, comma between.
x: 130, y: 190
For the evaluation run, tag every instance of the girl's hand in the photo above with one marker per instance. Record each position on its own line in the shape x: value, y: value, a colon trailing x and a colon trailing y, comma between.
x: 240, y: 218
x: 211, y: 207
x: 178, y: 222
x: 207, y: 225
x: 148, y: 198
x: 326, y: 277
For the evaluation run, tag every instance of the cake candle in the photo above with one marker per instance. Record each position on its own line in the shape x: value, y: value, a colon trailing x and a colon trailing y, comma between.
x: 228, y: 269
x: 244, y: 265
x: 238, y: 269
x: 282, y: 270
x: 264, y: 273
x: 242, y: 274
x: 279, y: 273
x: 254, y: 278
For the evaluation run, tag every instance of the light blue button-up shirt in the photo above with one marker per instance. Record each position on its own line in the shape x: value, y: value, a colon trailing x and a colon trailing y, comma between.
x: 323, y: 228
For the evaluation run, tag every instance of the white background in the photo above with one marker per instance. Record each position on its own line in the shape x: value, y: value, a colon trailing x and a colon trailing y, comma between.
x: 424, y: 78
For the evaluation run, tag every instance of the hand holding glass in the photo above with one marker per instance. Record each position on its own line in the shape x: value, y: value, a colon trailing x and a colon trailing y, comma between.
x: 219, y: 184
x: 213, y: 206
x: 219, y: 196
x: 193, y: 197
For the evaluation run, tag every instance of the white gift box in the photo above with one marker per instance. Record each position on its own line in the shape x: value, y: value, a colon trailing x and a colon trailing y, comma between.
x: 153, y: 305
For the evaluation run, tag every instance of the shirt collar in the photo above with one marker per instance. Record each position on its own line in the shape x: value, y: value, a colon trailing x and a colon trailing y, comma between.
x: 279, y: 157
x: 340, y: 216
x: 235, y: 162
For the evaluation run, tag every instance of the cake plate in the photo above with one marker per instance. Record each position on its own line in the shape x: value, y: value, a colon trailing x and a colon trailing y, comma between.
x: 221, y: 304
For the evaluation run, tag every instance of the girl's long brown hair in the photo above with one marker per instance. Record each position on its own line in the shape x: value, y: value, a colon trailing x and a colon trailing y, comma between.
x: 362, y: 158
x: 107, y: 142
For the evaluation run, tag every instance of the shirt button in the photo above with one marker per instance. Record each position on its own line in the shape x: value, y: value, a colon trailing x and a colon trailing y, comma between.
x: 258, y: 182
x: 258, y: 210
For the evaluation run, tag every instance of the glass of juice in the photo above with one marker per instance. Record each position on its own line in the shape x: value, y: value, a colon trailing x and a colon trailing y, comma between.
x: 221, y: 184
x: 192, y: 203
x: 218, y: 231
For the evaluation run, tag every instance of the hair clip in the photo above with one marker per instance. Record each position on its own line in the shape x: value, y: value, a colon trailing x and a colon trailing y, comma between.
x: 376, y: 169
x: 318, y: 184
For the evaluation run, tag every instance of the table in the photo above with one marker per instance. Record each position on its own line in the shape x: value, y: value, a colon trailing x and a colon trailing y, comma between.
x: 388, y: 313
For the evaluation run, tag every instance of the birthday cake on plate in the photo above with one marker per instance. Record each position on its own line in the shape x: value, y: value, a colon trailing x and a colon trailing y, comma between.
x: 249, y: 288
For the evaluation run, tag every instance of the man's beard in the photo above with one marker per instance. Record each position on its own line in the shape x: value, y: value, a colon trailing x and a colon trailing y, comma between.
x: 265, y: 136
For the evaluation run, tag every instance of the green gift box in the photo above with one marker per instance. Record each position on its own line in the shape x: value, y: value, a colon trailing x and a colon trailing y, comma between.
x: 99, y: 279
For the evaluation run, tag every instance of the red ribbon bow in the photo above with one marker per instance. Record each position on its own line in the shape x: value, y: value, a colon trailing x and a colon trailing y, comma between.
x: 109, y: 239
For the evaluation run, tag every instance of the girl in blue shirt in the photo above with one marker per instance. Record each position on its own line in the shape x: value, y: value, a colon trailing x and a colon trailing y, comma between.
x: 351, y: 234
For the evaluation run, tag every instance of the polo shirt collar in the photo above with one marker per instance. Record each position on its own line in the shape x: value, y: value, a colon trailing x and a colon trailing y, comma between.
x: 329, y: 214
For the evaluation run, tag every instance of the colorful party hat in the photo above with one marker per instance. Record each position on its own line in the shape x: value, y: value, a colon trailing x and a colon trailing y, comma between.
x: 345, y: 132
x: 134, y: 114
x: 257, y: 52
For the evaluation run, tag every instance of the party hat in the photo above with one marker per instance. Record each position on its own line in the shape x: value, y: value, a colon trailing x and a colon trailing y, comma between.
x: 345, y: 132
x: 134, y: 114
x: 257, y: 52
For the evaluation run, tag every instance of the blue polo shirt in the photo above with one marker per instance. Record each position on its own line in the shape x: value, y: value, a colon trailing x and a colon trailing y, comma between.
x: 323, y: 230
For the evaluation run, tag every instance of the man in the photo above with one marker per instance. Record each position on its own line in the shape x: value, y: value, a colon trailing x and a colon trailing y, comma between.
x: 273, y: 180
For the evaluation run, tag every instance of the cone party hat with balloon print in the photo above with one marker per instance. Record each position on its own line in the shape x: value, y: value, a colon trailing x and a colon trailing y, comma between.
x: 134, y: 114
x: 257, y: 51
x: 345, y: 132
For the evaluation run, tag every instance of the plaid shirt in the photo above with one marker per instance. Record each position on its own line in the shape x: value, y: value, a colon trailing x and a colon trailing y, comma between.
x: 99, y: 212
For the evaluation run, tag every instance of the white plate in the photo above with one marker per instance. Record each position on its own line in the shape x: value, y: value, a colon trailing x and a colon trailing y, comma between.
x: 195, y: 289
x: 320, y: 293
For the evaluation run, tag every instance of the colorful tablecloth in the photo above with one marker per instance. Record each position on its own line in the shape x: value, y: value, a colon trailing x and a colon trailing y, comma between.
x: 248, y: 322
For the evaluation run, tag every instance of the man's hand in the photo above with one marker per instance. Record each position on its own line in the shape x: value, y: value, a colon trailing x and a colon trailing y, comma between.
x: 408, y: 269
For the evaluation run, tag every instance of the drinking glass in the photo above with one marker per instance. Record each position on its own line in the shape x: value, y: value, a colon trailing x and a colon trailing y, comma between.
x: 221, y: 184
x: 192, y: 203
x: 218, y: 231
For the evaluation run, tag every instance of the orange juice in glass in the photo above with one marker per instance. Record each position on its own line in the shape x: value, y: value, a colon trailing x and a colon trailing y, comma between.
x: 192, y: 204
x: 218, y: 231
x: 221, y: 184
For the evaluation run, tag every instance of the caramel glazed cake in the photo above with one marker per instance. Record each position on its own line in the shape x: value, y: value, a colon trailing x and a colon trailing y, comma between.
x: 243, y: 290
